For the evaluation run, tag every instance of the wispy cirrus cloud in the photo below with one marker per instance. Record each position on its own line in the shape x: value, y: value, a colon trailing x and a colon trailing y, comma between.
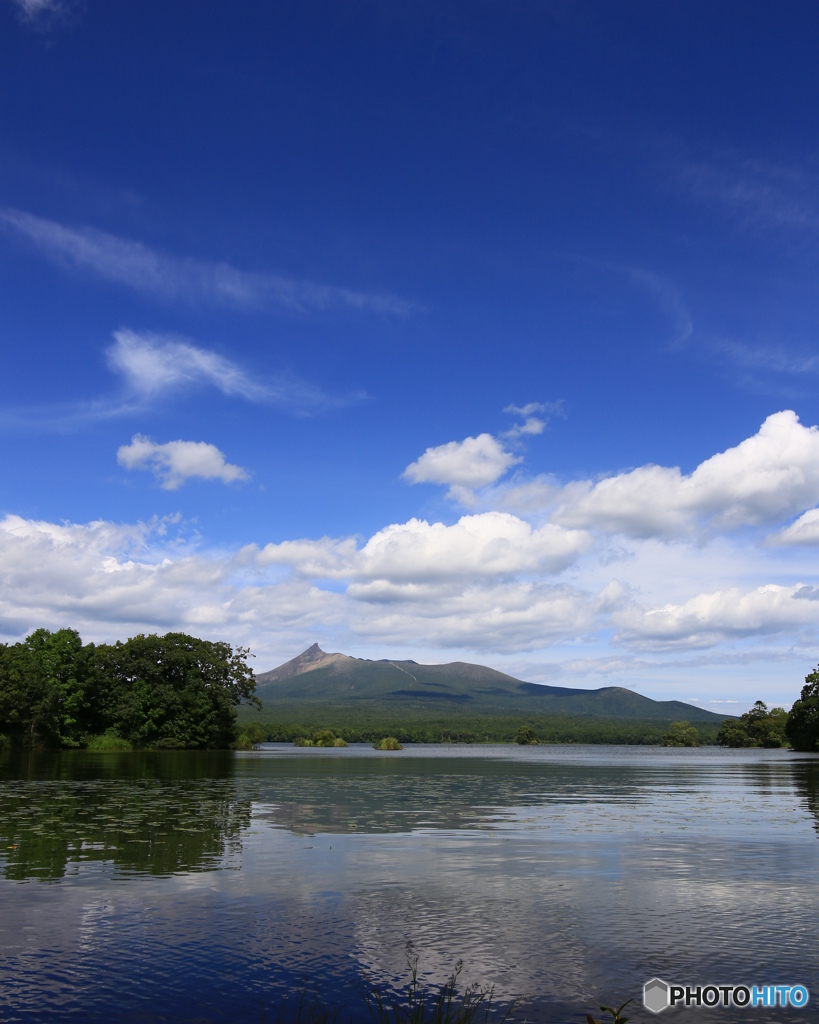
x: 175, y: 462
x: 154, y: 363
x: 153, y: 366
x: 42, y: 13
x: 756, y: 192
x: 144, y: 269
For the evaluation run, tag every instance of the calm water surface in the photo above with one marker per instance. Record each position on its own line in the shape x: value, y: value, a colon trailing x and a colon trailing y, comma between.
x: 211, y: 887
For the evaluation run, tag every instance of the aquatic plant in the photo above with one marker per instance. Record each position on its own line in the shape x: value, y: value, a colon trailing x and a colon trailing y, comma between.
x: 419, y: 1006
x: 616, y: 1015
x: 387, y: 743
x: 310, y: 1008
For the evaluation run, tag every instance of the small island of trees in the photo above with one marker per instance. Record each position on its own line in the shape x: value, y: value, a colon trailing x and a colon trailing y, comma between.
x: 150, y: 692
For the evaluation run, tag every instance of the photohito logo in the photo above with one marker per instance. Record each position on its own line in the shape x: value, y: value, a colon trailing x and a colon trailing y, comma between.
x: 658, y: 995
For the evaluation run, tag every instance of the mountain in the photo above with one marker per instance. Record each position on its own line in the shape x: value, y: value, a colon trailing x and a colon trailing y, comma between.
x: 330, y: 684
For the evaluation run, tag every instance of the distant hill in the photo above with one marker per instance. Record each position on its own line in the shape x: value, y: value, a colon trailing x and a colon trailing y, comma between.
x: 317, y: 685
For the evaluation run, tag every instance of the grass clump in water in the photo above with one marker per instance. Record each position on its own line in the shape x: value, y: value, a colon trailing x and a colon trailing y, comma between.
x: 108, y: 743
x: 387, y: 743
x: 251, y: 736
x: 320, y: 738
x: 419, y: 1006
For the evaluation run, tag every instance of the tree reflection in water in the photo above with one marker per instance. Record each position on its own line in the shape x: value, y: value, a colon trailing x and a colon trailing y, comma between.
x: 806, y: 780
x: 151, y: 813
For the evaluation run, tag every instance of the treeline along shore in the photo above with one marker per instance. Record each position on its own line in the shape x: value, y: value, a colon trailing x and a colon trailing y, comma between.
x: 150, y: 692
x: 367, y: 725
x: 180, y: 692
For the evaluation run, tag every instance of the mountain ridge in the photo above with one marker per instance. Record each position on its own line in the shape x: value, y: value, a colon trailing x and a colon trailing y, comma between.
x: 317, y: 679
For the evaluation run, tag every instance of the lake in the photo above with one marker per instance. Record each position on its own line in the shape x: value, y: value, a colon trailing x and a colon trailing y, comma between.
x: 213, y: 887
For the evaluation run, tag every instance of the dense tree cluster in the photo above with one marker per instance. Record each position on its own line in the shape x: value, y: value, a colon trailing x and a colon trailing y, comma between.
x: 172, y: 691
x: 681, y: 734
x: 758, y: 727
x: 803, y: 722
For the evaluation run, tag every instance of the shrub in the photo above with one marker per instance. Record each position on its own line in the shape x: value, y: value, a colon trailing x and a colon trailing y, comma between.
x: 387, y: 743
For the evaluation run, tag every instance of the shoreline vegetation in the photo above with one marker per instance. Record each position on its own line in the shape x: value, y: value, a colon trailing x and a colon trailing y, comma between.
x: 178, y: 692
x: 171, y: 692
x: 538, y: 730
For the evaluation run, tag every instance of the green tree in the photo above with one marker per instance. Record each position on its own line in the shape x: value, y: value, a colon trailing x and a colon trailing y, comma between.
x: 173, y: 691
x: 802, y: 728
x: 681, y: 734
x: 758, y: 727
x: 767, y: 728
x: 43, y: 683
x: 732, y: 733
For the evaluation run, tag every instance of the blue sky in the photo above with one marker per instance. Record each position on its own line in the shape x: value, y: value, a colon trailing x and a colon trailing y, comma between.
x: 480, y: 331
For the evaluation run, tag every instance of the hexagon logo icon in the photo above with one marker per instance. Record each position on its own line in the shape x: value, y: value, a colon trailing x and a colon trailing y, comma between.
x: 655, y: 995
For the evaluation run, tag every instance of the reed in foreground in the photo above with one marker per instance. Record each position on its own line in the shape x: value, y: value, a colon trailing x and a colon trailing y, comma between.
x: 419, y: 1006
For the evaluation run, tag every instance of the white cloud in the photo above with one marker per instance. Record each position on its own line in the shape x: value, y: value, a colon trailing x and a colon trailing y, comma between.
x: 804, y: 531
x: 628, y: 605
x: 536, y: 416
x: 177, y: 461
x: 509, y: 616
x: 483, y: 589
x: 153, y: 363
x: 111, y: 580
x: 463, y: 465
x: 492, y: 544
x: 707, y: 619
x: 768, y: 477
x: 143, y: 269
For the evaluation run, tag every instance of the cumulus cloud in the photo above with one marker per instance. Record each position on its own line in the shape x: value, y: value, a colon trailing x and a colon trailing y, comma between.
x: 707, y: 619
x: 491, y: 544
x: 765, y: 479
x: 112, y: 580
x: 463, y: 465
x: 511, y: 616
x: 143, y: 269
x: 535, y: 415
x: 175, y: 462
x: 804, y: 531
x: 484, y: 587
